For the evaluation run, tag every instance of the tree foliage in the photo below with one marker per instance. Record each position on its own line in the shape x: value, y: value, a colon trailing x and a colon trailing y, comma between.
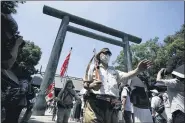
x: 9, y: 7
x: 158, y: 52
x: 9, y: 29
x: 29, y: 54
x: 27, y: 58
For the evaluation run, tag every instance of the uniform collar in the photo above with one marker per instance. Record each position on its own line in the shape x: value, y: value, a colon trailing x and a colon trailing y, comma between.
x: 103, y: 66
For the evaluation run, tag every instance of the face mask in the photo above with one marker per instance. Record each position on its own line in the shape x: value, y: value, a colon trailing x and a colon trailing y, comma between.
x: 69, y: 86
x: 105, y: 58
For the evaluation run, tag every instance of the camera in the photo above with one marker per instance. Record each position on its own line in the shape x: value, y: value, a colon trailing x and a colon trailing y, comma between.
x: 164, y: 72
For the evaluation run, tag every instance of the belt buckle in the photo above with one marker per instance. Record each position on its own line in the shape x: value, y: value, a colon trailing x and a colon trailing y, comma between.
x: 103, y: 98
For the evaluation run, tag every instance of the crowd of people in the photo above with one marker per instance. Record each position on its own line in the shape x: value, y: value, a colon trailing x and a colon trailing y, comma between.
x: 106, y: 93
x: 104, y: 97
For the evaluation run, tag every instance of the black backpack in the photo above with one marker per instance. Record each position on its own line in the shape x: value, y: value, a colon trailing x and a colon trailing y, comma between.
x: 139, y: 98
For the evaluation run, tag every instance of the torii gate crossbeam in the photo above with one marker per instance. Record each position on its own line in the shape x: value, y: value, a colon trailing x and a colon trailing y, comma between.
x: 90, y: 24
x: 40, y: 104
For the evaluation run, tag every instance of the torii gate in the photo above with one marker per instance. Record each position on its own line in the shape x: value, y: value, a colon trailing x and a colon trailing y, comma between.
x: 40, y: 104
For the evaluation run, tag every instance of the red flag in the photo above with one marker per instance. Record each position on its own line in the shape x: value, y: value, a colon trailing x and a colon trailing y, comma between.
x: 51, y: 87
x: 50, y: 94
x: 65, y: 64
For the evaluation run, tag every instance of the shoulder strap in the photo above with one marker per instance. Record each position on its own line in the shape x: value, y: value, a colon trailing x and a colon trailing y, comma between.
x: 68, y: 94
x: 162, y: 103
x: 88, y: 66
x: 128, y: 91
x: 71, y: 94
x: 65, y: 96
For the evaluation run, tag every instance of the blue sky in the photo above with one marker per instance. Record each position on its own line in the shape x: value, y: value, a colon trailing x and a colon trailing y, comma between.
x: 142, y: 19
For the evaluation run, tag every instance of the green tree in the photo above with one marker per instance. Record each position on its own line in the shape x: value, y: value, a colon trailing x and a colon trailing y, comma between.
x: 28, y: 57
x: 175, y: 45
x: 147, y: 50
x: 9, y: 27
x: 158, y: 53
x: 9, y: 7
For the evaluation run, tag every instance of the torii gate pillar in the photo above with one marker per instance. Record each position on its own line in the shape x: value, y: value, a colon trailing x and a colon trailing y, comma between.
x: 40, y: 104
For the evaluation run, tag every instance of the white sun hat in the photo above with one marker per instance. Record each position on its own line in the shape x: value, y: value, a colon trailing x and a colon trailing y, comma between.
x: 154, y: 91
x: 179, y: 72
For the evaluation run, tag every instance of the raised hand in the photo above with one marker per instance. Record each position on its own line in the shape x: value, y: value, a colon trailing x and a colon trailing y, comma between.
x: 144, y: 65
x: 161, y: 71
x: 96, y: 85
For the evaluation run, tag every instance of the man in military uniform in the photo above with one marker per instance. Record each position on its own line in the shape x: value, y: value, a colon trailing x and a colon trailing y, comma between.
x: 101, y: 82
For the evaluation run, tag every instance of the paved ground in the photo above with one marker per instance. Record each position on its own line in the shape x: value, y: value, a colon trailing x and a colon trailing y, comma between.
x: 42, y: 119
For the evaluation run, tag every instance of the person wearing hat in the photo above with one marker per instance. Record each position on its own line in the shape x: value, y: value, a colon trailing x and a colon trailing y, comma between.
x: 154, y: 92
x: 156, y: 102
x: 103, y: 92
x: 175, y: 90
x: 65, y: 102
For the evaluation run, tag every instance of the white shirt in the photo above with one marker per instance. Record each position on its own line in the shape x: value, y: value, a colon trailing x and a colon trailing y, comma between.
x: 128, y: 104
x: 175, y: 90
x: 166, y: 100
x: 82, y: 92
x: 155, y: 102
x: 167, y: 106
x: 82, y: 99
x: 110, y: 79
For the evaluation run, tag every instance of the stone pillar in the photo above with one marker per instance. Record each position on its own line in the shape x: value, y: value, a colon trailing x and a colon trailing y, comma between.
x: 40, y: 104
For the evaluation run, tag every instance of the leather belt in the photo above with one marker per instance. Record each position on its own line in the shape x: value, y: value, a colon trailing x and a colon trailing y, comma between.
x: 110, y: 99
x: 106, y: 98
